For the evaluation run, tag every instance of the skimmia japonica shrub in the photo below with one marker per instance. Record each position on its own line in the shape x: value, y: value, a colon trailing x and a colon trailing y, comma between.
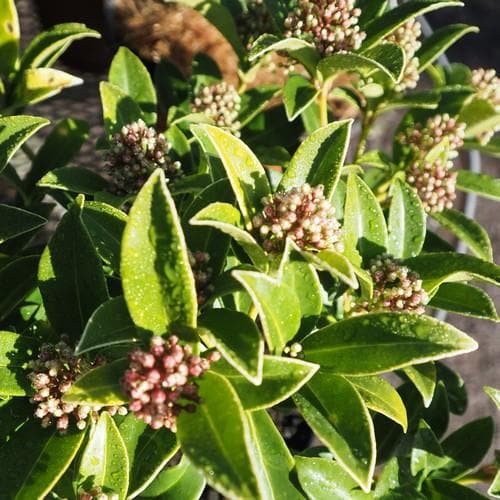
x: 225, y: 293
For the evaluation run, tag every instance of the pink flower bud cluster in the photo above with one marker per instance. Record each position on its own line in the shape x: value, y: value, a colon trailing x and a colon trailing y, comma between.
x: 487, y: 85
x: 203, y: 275
x: 302, y: 214
x: 53, y: 373
x: 331, y: 25
x: 434, y: 183
x: 161, y: 382
x: 407, y: 37
x: 135, y: 152
x: 97, y: 493
x: 221, y: 103
x: 256, y: 21
x: 395, y: 288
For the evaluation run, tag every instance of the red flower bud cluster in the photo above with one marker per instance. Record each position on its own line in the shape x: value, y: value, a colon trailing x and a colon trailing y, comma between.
x: 161, y: 382
x: 302, y: 214
x: 203, y: 275
x: 135, y: 152
x: 256, y: 21
x: 96, y: 493
x: 331, y: 25
x: 53, y: 373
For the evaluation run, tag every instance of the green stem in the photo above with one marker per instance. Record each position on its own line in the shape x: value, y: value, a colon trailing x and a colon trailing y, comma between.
x: 368, y: 119
x: 323, y: 104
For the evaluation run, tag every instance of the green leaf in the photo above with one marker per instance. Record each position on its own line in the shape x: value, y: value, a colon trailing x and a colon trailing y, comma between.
x: 246, y: 174
x: 406, y: 223
x: 118, y: 108
x: 423, y: 378
x: 480, y: 116
x: 104, y: 460
x: 370, y: 9
x: 319, y: 158
x: 464, y: 299
x: 48, y: 46
x: 278, y: 307
x: 300, y: 50
x: 14, y: 131
x: 346, y: 428
x: 254, y: 101
x: 237, y: 338
x: 75, y: 179
x: 148, y: 452
x: 426, y: 454
x: 325, y: 479
x: 364, y: 226
x: 16, y: 221
x: 381, y: 26
x: 15, y: 353
x: 226, y: 218
x: 281, y: 377
x: 17, y: 279
x: 9, y: 36
x: 437, y: 268
x: 421, y: 99
x: 129, y: 74
x: 157, y: 280
x: 273, y: 456
x: 466, y: 447
x: 482, y: 184
x: 298, y: 93
x: 180, y: 481
x: 494, y: 489
x: 110, y: 324
x: 439, y: 41
x: 441, y: 489
x: 224, y: 454
x: 37, y: 84
x: 334, y: 263
x: 32, y: 469
x: 376, y: 343
x: 105, y: 225
x: 70, y: 276
x: 494, y: 394
x: 467, y: 230
x: 456, y: 392
x: 381, y: 397
x: 492, y: 148
x: 100, y: 386
x: 59, y: 148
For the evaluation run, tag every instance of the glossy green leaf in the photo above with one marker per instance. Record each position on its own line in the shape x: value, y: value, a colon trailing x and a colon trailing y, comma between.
x: 9, y: 36
x: 494, y: 489
x: 278, y: 307
x: 281, y: 377
x: 298, y: 93
x: 406, y: 222
x: 75, y: 179
x: 17, y: 279
x: 494, y: 394
x: 158, y: 283
x: 426, y: 454
x: 110, y: 324
x: 439, y: 41
x: 271, y: 451
x: 437, y: 268
x: 364, y: 226
x: 14, y: 131
x: 15, y: 353
x: 370, y: 9
x: 491, y: 149
x: 254, y: 101
x: 37, y: 84
x: 480, y: 116
x: 148, y: 452
x: 226, y: 218
x: 30, y: 471
x: 345, y: 428
x: 118, y: 108
x: 319, y: 158
x: 180, y: 481
x: 105, y: 225
x: 381, y: 342
x: 129, y: 74
x: 381, y: 397
x: 381, y: 26
x: 70, y: 276
x: 336, y: 264
x: 464, y: 299
x: 246, y: 174
x: 47, y: 46
x: 423, y: 378
x: 16, y: 221
x: 482, y: 184
x: 421, y: 99
x: 224, y: 455
x: 100, y: 386
x: 467, y: 230
x: 104, y: 461
x: 456, y: 392
x: 237, y: 338
x: 441, y: 489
